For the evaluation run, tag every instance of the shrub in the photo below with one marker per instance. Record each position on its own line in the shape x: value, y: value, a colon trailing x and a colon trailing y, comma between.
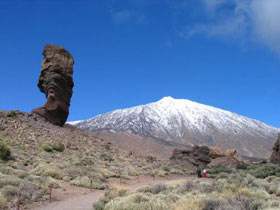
x: 211, y: 204
x: 262, y: 183
x: 107, y: 147
x: 82, y: 181
x: 98, y: 205
x: 5, y: 152
x: 219, y: 169
x: 106, y: 157
x: 58, y: 146
x: 260, y: 195
x: 108, y: 196
x: 189, y: 186
x: 146, y: 189
x: 3, y: 202
x: 10, y: 191
x: 47, y: 147
x: 137, y: 201
x: 158, y: 188
x: 54, y: 173
x: 44, y: 170
x: 189, y: 203
x: 273, y: 189
x: 10, y: 180
x: 166, y: 168
x: 245, y: 191
x: 85, y: 181
x: 264, y: 170
x: 20, y: 174
x: 11, y: 114
x: 270, y: 178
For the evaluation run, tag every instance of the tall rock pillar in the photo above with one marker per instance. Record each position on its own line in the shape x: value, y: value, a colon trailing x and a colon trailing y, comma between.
x: 56, y: 81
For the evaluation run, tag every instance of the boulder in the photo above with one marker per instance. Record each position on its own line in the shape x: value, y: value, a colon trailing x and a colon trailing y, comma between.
x: 275, y: 156
x: 216, y: 152
x: 56, y: 81
x: 229, y: 158
x: 211, y: 156
x: 198, y: 155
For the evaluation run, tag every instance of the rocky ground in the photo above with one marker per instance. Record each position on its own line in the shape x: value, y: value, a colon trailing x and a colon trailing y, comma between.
x: 35, y: 154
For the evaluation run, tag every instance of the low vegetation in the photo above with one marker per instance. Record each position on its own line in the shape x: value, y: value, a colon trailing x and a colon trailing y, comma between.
x: 35, y: 155
x: 238, y: 191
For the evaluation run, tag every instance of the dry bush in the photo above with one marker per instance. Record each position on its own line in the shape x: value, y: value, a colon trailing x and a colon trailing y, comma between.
x: 189, y: 203
x: 3, y: 201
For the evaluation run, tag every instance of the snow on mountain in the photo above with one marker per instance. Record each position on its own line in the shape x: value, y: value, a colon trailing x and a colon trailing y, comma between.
x: 180, y: 122
x: 74, y: 122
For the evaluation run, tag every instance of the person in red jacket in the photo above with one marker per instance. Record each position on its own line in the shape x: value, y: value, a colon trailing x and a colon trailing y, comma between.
x: 204, y: 175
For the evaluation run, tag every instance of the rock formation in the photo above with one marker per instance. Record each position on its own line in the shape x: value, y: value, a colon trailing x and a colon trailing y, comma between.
x: 198, y: 155
x: 275, y: 156
x: 216, y: 152
x: 211, y: 156
x: 56, y: 81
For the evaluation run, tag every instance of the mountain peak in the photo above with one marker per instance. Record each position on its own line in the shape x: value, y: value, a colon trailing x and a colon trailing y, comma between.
x: 167, y: 98
x: 180, y: 122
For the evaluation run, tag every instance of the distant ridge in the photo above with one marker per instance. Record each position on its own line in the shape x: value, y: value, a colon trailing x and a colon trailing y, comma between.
x: 180, y: 122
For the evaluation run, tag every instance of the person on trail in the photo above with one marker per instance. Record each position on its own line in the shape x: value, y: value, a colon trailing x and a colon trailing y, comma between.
x: 204, y: 174
x: 198, y: 171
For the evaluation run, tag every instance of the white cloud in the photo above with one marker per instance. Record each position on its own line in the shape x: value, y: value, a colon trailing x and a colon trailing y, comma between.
x: 257, y: 19
x: 212, y: 5
x: 233, y: 27
x: 122, y: 16
x: 265, y: 16
x: 125, y: 16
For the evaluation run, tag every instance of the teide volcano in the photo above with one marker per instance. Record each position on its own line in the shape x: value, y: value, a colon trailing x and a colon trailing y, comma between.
x: 179, y: 122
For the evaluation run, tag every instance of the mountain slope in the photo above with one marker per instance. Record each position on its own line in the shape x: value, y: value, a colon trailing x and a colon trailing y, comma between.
x: 180, y: 122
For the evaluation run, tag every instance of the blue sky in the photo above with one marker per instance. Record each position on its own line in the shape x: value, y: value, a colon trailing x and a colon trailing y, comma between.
x: 224, y: 53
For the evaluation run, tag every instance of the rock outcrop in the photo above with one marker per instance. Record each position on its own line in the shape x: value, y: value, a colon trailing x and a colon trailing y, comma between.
x: 275, y: 156
x: 229, y: 158
x: 198, y: 155
x: 56, y: 81
x: 211, y: 156
x: 216, y: 152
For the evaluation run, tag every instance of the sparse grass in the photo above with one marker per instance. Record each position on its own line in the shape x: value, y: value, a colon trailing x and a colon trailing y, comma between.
x: 236, y: 192
x: 42, y: 153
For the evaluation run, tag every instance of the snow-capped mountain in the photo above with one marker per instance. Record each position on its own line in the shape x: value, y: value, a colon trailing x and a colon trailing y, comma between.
x: 180, y: 122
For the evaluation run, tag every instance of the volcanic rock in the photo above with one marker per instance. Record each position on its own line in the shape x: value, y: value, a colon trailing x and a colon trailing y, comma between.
x: 228, y: 158
x: 275, y: 156
x: 216, y: 152
x: 56, y: 81
x: 231, y: 152
x: 211, y: 156
x: 198, y: 155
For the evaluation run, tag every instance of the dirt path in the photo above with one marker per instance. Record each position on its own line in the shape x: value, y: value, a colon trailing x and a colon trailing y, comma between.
x: 69, y: 197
